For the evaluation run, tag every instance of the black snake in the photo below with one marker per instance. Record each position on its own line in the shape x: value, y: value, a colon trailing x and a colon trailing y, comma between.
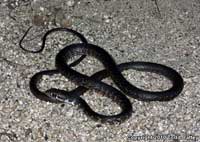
x: 94, y: 82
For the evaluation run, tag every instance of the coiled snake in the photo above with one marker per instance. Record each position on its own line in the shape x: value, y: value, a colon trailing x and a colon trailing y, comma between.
x: 94, y: 82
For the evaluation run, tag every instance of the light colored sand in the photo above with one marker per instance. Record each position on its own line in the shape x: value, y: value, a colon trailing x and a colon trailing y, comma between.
x: 129, y: 30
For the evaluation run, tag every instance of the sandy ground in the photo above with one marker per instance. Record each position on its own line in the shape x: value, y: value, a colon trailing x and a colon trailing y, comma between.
x: 130, y: 30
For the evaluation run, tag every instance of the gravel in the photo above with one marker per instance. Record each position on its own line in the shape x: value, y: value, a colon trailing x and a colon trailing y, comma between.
x: 130, y: 31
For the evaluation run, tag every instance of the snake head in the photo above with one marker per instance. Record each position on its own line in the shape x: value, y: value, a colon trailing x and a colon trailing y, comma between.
x: 60, y: 95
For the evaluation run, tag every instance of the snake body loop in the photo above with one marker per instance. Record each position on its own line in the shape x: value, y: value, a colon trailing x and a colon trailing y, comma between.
x: 94, y: 82
x: 114, y: 72
x: 44, y: 38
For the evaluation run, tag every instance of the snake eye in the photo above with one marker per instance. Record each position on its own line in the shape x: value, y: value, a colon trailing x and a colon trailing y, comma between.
x: 54, y: 94
x: 50, y: 94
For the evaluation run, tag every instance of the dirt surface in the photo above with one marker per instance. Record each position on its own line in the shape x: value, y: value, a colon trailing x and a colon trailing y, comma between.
x: 162, y: 31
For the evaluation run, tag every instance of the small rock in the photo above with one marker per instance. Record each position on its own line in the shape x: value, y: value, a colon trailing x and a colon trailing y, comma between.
x: 66, y: 23
x: 41, y: 8
x: 70, y: 3
x: 39, y: 20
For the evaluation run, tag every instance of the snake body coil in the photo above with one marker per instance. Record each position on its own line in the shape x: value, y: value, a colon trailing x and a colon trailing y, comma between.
x: 94, y: 82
